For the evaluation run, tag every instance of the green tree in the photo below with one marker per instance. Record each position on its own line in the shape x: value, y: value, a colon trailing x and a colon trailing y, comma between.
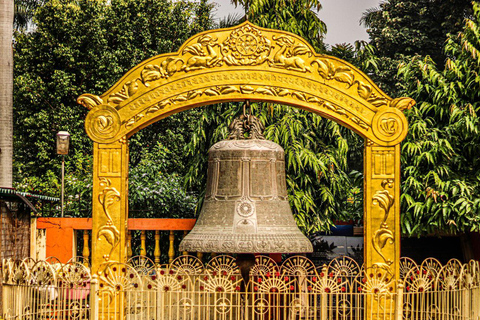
x: 24, y: 11
x: 400, y: 29
x: 86, y: 46
x: 441, y: 165
x: 298, y: 17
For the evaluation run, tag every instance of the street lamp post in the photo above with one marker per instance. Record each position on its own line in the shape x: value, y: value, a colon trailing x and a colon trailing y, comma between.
x: 63, y: 142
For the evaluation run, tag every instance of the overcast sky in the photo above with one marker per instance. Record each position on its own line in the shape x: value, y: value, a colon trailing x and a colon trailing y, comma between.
x: 341, y: 17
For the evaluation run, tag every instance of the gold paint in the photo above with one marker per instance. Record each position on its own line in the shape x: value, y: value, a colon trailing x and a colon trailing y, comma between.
x: 246, y: 62
x: 109, y: 211
x: 157, y: 252
x: 171, y: 248
x: 107, y: 197
x: 289, y: 55
x: 86, y: 248
x: 89, y: 101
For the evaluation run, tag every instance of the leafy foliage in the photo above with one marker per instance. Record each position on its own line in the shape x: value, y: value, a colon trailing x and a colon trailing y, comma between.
x: 85, y: 46
x: 158, y: 192
x: 441, y: 165
x: 298, y: 17
x: 24, y: 11
x: 400, y: 29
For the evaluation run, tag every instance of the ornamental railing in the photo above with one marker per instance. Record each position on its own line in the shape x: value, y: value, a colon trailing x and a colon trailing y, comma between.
x: 189, y: 289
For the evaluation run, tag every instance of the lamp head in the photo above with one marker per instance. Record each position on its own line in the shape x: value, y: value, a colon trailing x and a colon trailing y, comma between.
x: 63, y: 142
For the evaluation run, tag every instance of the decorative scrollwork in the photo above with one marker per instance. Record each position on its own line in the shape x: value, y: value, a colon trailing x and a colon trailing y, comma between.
x: 223, y: 264
x: 128, y: 90
x: 328, y: 71
x: 419, y: 280
x: 167, y: 68
x: 89, y: 101
x: 143, y: 265
x: 384, y: 235
x: 299, y: 266
x: 75, y: 275
x: 406, y: 264
x: 213, y: 282
x: 216, y: 289
x: 117, y: 278
x: 103, y: 122
x: 246, y: 46
x: 203, y: 54
x: 264, y: 267
x: 107, y: 197
x: 327, y: 282
x: 187, y: 264
x: 344, y: 266
x: 402, y: 104
x: 288, y: 56
x: 376, y: 280
x: 238, y: 127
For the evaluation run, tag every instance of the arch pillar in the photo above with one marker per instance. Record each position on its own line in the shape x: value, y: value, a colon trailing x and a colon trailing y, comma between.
x: 382, y: 208
x: 110, y: 203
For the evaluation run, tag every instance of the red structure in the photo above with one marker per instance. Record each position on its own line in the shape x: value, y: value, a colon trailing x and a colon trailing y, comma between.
x: 60, y: 232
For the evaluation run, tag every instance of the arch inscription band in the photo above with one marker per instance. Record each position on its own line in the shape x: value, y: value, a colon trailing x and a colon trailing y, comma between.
x: 248, y: 63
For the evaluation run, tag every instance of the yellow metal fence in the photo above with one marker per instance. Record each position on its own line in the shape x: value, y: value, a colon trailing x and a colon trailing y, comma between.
x: 189, y: 289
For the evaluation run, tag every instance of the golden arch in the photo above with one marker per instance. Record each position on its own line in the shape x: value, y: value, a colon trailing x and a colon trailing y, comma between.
x: 235, y: 64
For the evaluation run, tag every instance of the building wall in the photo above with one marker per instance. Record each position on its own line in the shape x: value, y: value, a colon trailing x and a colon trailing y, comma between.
x: 14, y: 233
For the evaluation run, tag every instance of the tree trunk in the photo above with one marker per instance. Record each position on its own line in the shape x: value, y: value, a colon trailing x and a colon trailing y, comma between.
x: 6, y: 92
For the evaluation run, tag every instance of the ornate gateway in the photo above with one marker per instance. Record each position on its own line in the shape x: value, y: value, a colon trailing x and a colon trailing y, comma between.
x: 247, y: 63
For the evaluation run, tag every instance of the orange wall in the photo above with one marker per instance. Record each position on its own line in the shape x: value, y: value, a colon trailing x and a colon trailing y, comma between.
x: 60, y: 231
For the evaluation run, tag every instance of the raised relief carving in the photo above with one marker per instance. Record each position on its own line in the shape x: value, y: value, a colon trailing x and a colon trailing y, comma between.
x: 402, y: 104
x: 103, y: 122
x: 244, y: 89
x: 128, y: 90
x: 383, y: 235
x: 328, y: 71
x: 203, y: 54
x: 362, y: 124
x: 245, y: 208
x: 89, y: 101
x: 335, y: 108
x: 288, y: 56
x: 366, y: 92
x: 383, y: 163
x: 107, y: 197
x: 167, y: 68
x: 388, y: 124
x: 246, y: 46
x: 109, y: 162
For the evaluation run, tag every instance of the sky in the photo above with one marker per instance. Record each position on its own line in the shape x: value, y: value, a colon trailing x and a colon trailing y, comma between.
x: 341, y: 17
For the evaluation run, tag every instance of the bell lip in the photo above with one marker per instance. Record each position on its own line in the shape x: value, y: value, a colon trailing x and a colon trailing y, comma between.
x: 191, y: 248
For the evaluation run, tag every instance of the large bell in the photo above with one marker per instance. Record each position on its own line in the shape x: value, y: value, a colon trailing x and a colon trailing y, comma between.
x: 246, y: 207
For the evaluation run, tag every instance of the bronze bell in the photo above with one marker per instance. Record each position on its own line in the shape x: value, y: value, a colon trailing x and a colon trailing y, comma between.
x: 246, y: 207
